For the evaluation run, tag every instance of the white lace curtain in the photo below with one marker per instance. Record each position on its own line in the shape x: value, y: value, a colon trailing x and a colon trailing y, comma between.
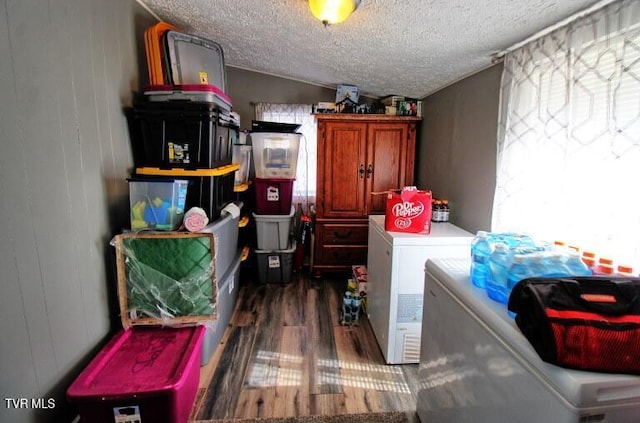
x: 569, y: 135
x: 304, y: 188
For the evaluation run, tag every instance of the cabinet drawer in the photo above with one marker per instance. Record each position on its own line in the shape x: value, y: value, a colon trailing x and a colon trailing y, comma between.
x: 342, y: 234
x: 342, y: 254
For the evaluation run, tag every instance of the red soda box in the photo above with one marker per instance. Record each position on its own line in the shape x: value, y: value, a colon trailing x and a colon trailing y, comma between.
x: 408, y: 210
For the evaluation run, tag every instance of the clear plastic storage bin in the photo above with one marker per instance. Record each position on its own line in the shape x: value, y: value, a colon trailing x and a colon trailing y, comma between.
x: 242, y: 156
x: 157, y: 204
x: 275, y: 154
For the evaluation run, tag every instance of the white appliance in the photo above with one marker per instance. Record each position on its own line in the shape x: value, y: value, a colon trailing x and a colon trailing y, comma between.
x: 476, y: 366
x: 395, y: 268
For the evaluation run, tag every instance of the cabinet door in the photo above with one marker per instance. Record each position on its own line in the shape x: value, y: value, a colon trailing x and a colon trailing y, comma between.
x: 342, y: 169
x: 390, y: 150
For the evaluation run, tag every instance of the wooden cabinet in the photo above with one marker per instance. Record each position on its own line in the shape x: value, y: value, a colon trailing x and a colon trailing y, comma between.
x: 359, y: 157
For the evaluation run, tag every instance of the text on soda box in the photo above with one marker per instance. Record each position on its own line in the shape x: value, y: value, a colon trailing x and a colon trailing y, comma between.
x: 407, y: 209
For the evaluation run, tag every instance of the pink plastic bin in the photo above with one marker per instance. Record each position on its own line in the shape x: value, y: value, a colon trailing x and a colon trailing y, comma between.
x: 151, y: 371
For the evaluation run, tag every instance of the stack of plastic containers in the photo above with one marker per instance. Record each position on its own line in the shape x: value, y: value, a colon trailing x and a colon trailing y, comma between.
x: 183, y: 128
x: 184, y: 134
x: 150, y: 370
x: 275, y: 155
x: 191, y: 141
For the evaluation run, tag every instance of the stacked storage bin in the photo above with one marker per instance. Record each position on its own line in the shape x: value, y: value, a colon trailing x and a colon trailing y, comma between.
x: 183, y: 129
x: 193, y: 141
x: 227, y: 274
x: 242, y: 154
x: 188, y: 141
x: 150, y: 370
x: 176, y: 290
x: 275, y: 155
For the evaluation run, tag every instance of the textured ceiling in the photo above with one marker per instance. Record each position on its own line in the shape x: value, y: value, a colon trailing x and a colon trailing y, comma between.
x: 403, y: 47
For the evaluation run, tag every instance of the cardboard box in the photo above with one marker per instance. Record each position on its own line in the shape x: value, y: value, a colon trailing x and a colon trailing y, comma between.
x: 408, y: 210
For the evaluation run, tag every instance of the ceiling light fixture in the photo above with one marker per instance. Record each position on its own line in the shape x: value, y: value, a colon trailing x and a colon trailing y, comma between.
x: 331, y: 12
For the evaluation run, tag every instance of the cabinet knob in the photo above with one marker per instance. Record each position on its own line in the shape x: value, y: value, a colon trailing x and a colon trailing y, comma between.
x: 361, y: 171
x: 369, y: 170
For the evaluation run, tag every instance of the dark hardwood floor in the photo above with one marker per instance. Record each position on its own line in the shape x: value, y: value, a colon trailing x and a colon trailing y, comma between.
x: 285, y: 354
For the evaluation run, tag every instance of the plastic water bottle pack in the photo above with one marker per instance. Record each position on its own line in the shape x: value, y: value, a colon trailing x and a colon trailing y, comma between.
x: 501, y: 260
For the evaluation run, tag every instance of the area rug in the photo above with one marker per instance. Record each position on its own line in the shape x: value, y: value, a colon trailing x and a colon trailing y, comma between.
x: 383, y: 417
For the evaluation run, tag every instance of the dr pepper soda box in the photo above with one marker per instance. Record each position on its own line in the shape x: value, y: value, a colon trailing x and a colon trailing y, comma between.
x: 408, y: 210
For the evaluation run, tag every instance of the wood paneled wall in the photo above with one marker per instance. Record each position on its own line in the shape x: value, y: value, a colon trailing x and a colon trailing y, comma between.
x: 67, y: 68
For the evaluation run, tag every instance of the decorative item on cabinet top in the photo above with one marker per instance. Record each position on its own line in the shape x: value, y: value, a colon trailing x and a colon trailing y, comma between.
x: 375, y: 117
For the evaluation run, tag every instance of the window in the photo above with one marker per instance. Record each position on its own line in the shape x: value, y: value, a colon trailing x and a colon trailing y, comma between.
x: 569, y: 136
x: 304, y: 188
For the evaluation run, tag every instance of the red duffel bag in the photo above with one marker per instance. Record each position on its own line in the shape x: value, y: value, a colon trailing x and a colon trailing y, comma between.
x: 588, y: 323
